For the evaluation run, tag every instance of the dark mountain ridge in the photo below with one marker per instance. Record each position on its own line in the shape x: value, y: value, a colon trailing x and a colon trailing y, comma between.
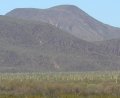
x: 37, y: 46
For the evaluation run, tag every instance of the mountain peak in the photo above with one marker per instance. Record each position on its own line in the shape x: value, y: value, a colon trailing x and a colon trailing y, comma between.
x: 71, y: 19
x: 59, y: 7
x: 65, y: 7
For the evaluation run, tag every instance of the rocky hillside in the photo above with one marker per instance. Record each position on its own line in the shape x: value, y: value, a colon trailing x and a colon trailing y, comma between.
x: 37, y: 46
x: 71, y: 19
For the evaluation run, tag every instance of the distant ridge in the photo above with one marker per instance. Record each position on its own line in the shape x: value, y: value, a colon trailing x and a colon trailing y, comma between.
x: 71, y: 19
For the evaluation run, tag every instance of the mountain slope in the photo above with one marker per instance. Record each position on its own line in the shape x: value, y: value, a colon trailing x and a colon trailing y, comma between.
x: 71, y: 19
x: 110, y: 46
x: 37, y: 46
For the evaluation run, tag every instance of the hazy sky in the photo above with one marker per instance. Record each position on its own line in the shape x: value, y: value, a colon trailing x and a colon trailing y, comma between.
x: 107, y: 11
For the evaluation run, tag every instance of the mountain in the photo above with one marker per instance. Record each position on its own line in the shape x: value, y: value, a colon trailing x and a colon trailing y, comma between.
x: 37, y: 46
x: 71, y: 19
x: 110, y: 46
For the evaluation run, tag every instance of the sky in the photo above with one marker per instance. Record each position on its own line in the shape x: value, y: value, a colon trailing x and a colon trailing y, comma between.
x: 106, y: 11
